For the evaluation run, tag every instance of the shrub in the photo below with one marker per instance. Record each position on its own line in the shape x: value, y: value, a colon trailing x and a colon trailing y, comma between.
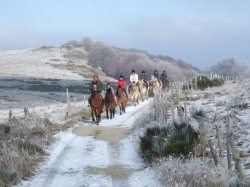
x: 204, y: 82
x: 4, y: 129
x: 197, y: 113
x: 176, y: 140
x: 190, y: 172
x: 21, y: 148
x: 8, y: 177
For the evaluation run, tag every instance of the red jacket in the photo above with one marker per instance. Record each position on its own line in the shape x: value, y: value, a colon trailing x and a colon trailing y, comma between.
x: 121, y: 83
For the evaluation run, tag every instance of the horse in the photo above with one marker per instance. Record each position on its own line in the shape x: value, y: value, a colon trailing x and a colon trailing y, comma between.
x: 121, y: 99
x: 96, y: 105
x: 134, y: 93
x: 144, y: 89
x: 165, y: 85
x: 155, y: 85
x: 110, y: 104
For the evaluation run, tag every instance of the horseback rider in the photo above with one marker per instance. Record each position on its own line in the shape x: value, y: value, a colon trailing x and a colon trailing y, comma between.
x: 156, y: 74
x: 96, y: 85
x: 163, y: 76
x: 134, y: 79
x: 164, y: 79
x: 144, y: 78
x: 110, y: 89
x: 122, y: 83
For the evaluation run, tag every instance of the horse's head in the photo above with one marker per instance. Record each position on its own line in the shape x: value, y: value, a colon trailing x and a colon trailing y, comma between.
x: 153, y: 78
x: 109, y: 91
x: 142, y: 83
x: 94, y: 87
x: 133, y: 84
x: 119, y: 90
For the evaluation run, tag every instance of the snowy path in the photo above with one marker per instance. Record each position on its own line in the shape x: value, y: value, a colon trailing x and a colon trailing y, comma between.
x: 103, y: 155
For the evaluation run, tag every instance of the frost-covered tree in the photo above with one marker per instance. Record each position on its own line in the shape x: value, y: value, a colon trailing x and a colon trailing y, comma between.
x: 87, y: 43
x: 229, y: 67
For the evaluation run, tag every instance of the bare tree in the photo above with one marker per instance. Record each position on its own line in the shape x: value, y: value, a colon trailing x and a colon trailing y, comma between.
x: 229, y: 67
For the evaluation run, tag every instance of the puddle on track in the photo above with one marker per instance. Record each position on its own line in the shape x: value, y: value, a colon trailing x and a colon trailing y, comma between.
x: 108, y: 134
x: 117, y: 171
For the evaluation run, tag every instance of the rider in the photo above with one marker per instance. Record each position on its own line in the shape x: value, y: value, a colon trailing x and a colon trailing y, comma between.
x: 156, y: 74
x: 144, y: 78
x: 109, y: 88
x: 96, y: 82
x: 164, y: 79
x: 134, y: 78
x: 122, y: 83
x: 163, y: 76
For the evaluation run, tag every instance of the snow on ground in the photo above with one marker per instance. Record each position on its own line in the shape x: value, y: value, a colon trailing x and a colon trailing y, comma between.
x: 36, y: 63
x: 223, y: 101
x: 96, y: 161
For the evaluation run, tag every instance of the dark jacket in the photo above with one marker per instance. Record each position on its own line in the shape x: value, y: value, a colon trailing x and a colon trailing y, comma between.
x: 156, y: 74
x: 99, y: 86
x: 163, y: 77
x: 143, y: 77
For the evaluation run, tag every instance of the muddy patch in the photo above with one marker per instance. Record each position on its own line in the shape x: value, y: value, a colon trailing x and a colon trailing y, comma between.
x: 109, y: 134
x: 119, y: 173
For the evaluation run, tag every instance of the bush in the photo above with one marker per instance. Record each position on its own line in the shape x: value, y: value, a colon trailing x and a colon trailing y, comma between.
x: 197, y: 113
x: 21, y: 148
x: 176, y: 140
x: 204, y: 82
x: 190, y: 172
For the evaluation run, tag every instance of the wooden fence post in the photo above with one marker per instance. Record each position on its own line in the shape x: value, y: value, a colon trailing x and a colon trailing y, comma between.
x: 195, y: 83
x: 26, y: 111
x: 235, y: 154
x: 68, y: 104
x: 185, y: 111
x: 229, y: 164
x: 213, y: 152
x: 10, y: 115
x: 218, y: 134
x: 202, y: 135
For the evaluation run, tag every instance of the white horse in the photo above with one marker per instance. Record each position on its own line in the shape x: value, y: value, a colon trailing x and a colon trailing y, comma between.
x: 144, y: 89
x: 155, y: 85
x: 134, y: 93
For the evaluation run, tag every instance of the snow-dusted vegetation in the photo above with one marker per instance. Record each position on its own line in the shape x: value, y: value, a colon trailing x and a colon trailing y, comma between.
x: 211, y: 111
x: 26, y: 138
x: 34, y: 111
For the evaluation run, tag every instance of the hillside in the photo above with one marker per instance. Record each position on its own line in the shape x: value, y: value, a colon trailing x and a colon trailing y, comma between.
x: 33, y: 77
x: 43, y: 74
x: 115, y: 61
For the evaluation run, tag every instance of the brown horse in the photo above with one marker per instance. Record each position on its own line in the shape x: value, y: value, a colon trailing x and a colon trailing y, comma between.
x: 144, y: 89
x: 134, y: 93
x: 96, y: 106
x: 122, y: 99
x: 165, y: 85
x: 110, y: 104
x: 155, y: 85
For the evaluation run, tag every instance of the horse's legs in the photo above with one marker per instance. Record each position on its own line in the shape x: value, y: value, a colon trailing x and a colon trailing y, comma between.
x: 107, y: 112
x: 113, y: 113
x: 96, y: 115
x: 121, y: 109
x: 92, y: 114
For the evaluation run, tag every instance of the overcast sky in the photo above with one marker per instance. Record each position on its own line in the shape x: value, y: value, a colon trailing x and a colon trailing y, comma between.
x: 199, y: 32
